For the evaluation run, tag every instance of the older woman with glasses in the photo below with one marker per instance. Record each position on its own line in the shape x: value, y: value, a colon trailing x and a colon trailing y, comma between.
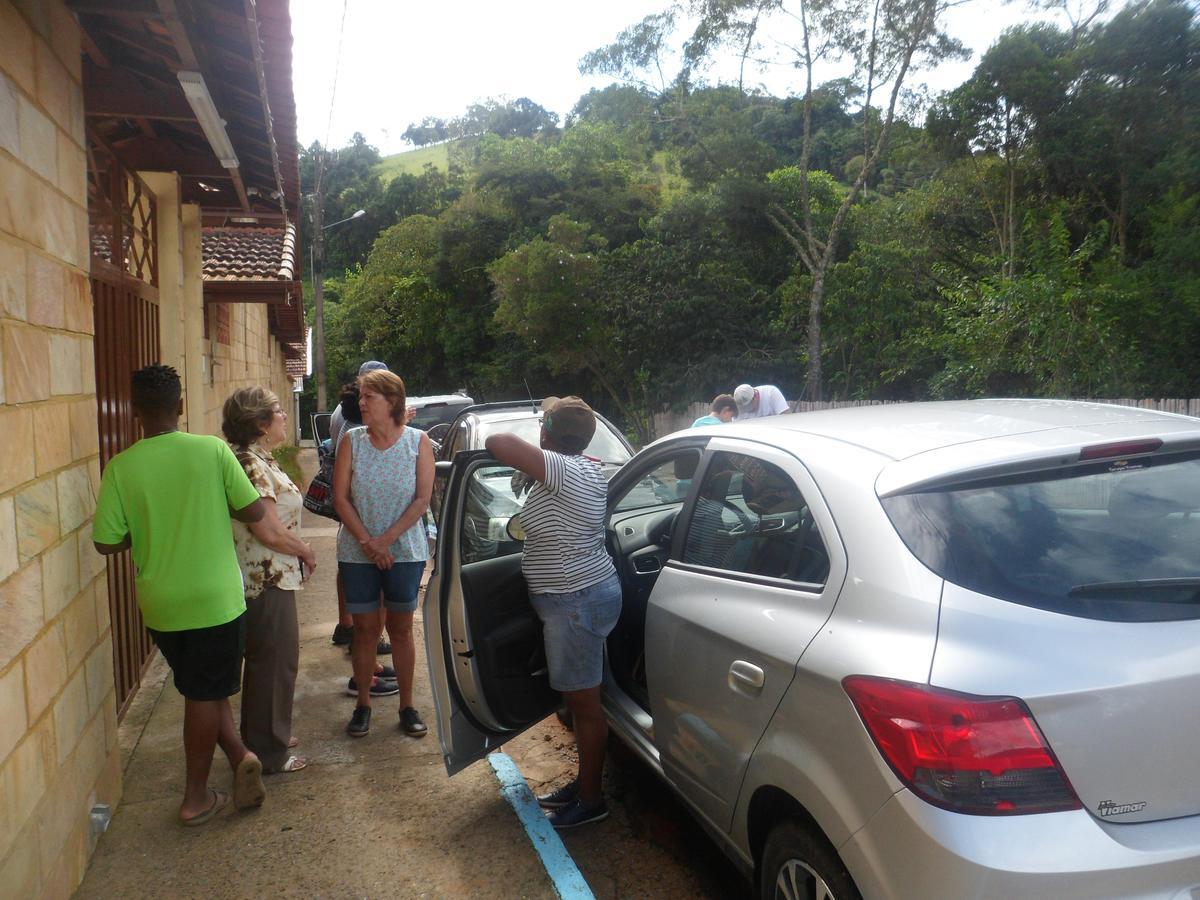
x: 274, y: 563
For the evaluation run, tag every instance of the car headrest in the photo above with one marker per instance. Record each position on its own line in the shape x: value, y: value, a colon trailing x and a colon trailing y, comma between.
x: 685, y: 466
x: 1144, y: 499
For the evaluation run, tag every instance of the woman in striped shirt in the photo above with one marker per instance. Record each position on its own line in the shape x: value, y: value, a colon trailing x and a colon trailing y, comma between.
x: 573, y: 584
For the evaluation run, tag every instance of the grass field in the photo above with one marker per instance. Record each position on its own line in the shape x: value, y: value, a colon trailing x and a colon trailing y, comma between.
x: 413, y: 161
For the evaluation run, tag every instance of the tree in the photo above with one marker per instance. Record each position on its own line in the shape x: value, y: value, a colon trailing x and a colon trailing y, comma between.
x: 542, y: 289
x: 901, y: 32
x: 1018, y: 83
x: 432, y: 130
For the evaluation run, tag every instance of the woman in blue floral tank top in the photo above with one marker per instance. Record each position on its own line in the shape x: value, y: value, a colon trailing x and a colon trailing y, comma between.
x: 382, y: 480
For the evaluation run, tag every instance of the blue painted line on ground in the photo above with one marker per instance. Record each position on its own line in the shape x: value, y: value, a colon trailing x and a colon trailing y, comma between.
x: 564, y: 874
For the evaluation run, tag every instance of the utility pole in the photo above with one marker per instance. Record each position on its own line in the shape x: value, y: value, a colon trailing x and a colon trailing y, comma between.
x: 318, y: 259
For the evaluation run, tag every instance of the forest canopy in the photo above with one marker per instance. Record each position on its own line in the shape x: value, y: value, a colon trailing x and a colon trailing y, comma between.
x: 1035, y: 233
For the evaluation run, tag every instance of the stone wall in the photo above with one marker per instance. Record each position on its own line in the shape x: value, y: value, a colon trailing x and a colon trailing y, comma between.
x: 251, y: 356
x: 58, y: 726
x: 239, y: 351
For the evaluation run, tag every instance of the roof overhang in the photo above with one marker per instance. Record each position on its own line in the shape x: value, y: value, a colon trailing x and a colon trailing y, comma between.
x: 235, y: 59
x: 203, y: 88
x: 256, y: 265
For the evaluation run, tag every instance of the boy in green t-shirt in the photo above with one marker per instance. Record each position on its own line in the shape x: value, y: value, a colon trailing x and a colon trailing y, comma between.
x: 168, y: 498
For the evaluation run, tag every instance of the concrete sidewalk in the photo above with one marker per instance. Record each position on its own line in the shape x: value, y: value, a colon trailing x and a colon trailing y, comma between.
x: 372, y: 817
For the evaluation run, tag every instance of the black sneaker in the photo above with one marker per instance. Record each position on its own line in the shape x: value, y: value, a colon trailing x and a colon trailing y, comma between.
x: 343, y: 634
x: 386, y: 672
x: 575, y: 814
x: 559, y: 798
x: 380, y: 687
x: 360, y: 722
x: 410, y: 721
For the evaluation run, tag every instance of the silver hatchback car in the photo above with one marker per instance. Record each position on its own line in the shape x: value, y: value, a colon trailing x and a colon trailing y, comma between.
x: 927, y: 650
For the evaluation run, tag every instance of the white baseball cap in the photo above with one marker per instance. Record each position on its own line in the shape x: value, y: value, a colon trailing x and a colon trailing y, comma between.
x: 743, y: 396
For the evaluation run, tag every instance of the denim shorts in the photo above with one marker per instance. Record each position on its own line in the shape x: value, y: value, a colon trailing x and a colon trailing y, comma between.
x: 364, y: 582
x: 574, y: 627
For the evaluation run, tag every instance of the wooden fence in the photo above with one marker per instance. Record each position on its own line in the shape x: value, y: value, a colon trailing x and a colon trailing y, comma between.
x: 667, y: 421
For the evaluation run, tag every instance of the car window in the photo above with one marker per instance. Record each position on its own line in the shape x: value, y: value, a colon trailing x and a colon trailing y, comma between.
x: 527, y: 429
x: 1115, y: 540
x: 605, y: 445
x: 455, y: 441
x: 751, y: 518
x: 490, y: 503
x: 437, y: 413
x: 666, y: 483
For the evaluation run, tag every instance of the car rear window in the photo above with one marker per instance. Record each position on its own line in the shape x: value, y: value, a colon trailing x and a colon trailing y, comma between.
x: 437, y: 414
x: 1117, y: 540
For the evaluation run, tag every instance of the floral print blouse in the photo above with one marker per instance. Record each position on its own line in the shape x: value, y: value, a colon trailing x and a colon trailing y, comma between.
x: 263, y: 567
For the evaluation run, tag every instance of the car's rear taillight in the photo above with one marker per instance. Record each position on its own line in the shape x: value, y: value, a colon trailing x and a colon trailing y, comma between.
x: 978, y: 755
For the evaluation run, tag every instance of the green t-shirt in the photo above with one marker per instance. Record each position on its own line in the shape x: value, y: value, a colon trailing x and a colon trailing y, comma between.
x: 172, y: 494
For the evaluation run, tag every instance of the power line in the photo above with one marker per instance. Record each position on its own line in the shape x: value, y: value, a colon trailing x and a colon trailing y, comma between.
x: 337, y: 65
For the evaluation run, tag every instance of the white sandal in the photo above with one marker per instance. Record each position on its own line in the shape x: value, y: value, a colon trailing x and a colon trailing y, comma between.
x: 294, y: 764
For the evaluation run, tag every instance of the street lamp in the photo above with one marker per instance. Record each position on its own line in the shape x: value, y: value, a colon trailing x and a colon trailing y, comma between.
x: 315, y: 259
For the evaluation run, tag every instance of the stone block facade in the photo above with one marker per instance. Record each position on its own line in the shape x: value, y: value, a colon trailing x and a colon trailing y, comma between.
x: 58, y: 712
x: 58, y: 736
x: 252, y: 356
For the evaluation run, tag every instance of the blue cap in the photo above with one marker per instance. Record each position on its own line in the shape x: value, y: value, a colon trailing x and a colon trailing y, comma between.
x: 371, y: 365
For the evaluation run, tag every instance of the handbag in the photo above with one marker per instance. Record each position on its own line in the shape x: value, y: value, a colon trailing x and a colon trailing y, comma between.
x: 319, y: 496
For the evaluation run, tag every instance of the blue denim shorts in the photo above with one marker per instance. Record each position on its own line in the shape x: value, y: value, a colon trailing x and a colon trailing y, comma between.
x: 574, y: 627
x: 364, y: 582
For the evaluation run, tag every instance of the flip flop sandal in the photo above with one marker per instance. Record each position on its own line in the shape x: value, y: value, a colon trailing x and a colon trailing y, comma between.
x: 248, y: 788
x: 293, y: 742
x: 220, y: 798
x: 294, y: 764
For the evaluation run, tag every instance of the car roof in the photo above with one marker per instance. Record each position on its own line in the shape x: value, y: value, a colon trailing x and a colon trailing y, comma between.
x: 922, y: 445
x: 502, y: 408
x: 418, y: 402
x: 902, y: 430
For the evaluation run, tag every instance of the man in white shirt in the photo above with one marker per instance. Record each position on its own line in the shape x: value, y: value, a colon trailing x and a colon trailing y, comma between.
x: 755, y: 402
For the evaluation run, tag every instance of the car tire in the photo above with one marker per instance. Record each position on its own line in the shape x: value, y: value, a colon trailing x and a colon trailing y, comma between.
x: 798, y: 863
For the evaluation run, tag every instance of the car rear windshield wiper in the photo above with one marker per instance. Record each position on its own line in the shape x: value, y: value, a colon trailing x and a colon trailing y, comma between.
x: 1145, y: 584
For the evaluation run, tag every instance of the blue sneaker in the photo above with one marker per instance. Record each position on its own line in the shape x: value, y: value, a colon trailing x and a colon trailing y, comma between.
x: 575, y: 814
x: 559, y: 798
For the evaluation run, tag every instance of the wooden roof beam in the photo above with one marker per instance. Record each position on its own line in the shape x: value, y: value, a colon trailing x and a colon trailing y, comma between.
x: 117, y: 93
x: 94, y: 53
x: 190, y: 58
x: 169, y: 13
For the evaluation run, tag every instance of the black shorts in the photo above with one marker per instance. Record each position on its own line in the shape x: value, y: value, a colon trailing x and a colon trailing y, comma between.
x: 206, y: 662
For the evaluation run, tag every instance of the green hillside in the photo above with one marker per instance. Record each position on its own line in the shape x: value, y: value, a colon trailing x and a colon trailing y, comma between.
x: 413, y: 161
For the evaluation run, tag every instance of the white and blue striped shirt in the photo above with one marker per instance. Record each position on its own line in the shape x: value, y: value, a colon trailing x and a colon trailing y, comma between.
x: 564, y: 527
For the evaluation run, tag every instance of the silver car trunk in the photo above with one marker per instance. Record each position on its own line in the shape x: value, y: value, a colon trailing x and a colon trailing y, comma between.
x: 1118, y: 702
x: 1073, y: 583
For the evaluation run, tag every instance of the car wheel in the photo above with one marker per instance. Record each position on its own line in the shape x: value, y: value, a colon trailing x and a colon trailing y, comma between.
x: 799, y: 864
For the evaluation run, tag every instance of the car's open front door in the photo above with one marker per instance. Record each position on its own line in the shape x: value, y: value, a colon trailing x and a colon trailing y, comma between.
x: 483, y: 641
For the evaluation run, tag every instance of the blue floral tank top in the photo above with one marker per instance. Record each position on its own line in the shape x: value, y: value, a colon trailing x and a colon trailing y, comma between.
x: 382, y: 485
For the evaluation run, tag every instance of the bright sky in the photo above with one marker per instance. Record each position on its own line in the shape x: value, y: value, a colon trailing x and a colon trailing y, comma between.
x: 403, y: 60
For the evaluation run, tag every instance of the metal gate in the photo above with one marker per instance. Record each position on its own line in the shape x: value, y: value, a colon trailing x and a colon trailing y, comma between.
x: 124, y: 277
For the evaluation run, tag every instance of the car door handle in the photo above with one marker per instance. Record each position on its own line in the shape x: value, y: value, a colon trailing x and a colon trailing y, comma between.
x: 743, y: 674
